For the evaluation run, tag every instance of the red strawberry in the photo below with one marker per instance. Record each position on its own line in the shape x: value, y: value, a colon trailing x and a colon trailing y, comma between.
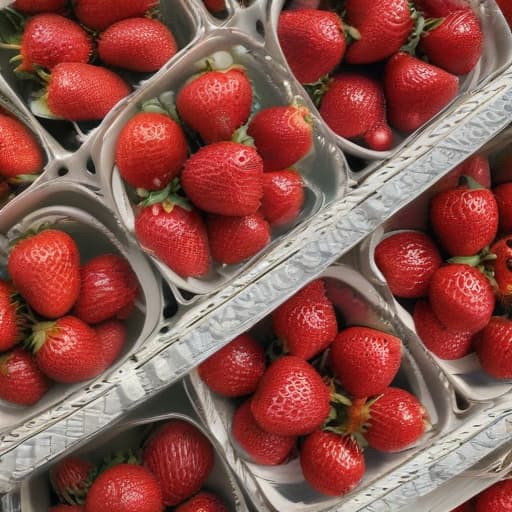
x: 497, y: 498
x: 461, y: 297
x: 36, y: 6
x: 215, y: 6
x: 21, y: 381
x: 224, y: 178
x: 108, y: 280
x: 415, y: 91
x: 203, y: 502
x: 494, y: 351
x: 262, y: 447
x: 506, y: 9
x: 384, y: 26
x: 137, y: 44
x: 312, y: 41
x: 407, y: 260
x: 100, y: 14
x: 282, y: 135
x: 354, y: 106
x: 216, y: 103
x: 20, y: 151
x: 331, y: 464
x: 456, y: 44
x: 83, y: 92
x: 365, y: 360
x: 503, y: 195
x: 111, y: 335
x: 464, y: 219
x: 61, y: 344
x: 12, y: 323
x: 291, y: 398
x: 306, y: 323
x: 125, y: 488
x: 176, y: 236
x: 439, y: 8
x: 502, y: 267
x: 235, y: 239
x: 66, y: 508
x: 70, y: 479
x: 235, y: 369
x: 283, y: 197
x: 45, y: 270
x: 465, y: 507
x: 476, y: 167
x: 181, y: 458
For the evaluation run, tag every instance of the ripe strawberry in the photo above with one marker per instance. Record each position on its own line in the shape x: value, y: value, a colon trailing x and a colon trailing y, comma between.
x: 291, y: 399
x: 331, y: 464
x: 12, y: 323
x: 45, y: 270
x: 100, y: 14
x: 125, y: 488
x: 415, y: 91
x: 181, y: 458
x: 137, y: 44
x: 108, y: 280
x: 216, y: 103
x: 502, y: 268
x: 66, y: 508
x: 224, y: 178
x: 235, y: 369
x: 21, y: 381
x: 282, y: 135
x: 465, y: 220
x: 506, y: 9
x: 176, y: 236
x: 384, y: 26
x: 111, y: 335
x: 354, y: 107
x: 465, y: 507
x: 407, y: 260
x: 37, y: 6
x: 494, y: 351
x: 59, y: 345
x: 70, y: 479
x: 476, y: 167
x: 461, y: 297
x: 497, y: 498
x: 503, y: 195
x: 215, y: 6
x: 365, y: 360
x: 83, y: 92
x: 235, y: 239
x: 306, y: 323
x: 440, y: 8
x: 203, y: 502
x: 312, y: 41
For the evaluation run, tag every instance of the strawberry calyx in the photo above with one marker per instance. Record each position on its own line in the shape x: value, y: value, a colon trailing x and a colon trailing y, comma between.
x: 11, y: 28
x: 241, y: 136
x: 470, y: 182
x: 75, y: 494
x: 421, y: 26
x: 164, y: 104
x: 167, y: 196
x: 22, y: 179
x: 29, y: 233
x: 40, y: 333
x: 128, y: 457
x: 480, y: 261
x: 317, y: 89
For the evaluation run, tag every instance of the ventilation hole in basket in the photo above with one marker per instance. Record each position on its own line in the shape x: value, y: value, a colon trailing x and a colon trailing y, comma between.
x: 260, y: 28
x: 462, y: 402
x: 164, y: 329
x: 91, y: 169
x: 62, y: 171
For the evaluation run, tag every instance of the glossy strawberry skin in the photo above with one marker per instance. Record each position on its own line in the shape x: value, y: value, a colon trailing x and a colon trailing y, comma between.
x: 224, y: 178
x: 441, y: 8
x: 11, y: 320
x: 216, y: 103
x: 178, y: 238
x: 365, y: 360
x: 203, y: 502
x: 506, y: 9
x: 69, y: 479
x: 181, y: 458
x: 37, y: 6
x: 408, y: 260
x: 503, y: 195
x: 45, y: 270
x: 494, y: 351
x: 235, y: 369
x: 497, y: 498
x: 502, y: 268
x: 111, y: 335
x: 291, y: 398
x: 313, y: 42
x: 331, y: 464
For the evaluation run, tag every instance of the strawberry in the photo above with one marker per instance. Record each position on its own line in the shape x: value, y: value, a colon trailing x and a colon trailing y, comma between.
x: 407, y: 260
x: 312, y: 41
x: 175, y: 235
x: 137, y: 44
x: 456, y: 44
x: 203, y: 502
x: 506, y: 9
x: 151, y: 150
x: 464, y: 219
x: 59, y: 345
x: 181, y: 458
x: 283, y: 197
x: 354, y: 107
x: 82, y: 92
x: 291, y: 398
x: 215, y: 6
x: 331, y: 464
x: 45, y: 270
x: 21, y: 381
x: 496, y: 498
x: 125, y: 488
x: 108, y: 280
x: 476, y: 167
x: 100, y: 14
x: 461, y: 297
x: 70, y: 479
x: 306, y: 323
x: 282, y: 135
x: 111, y: 335
x: 465, y: 507
x: 415, y: 91
x: 66, y: 508
x: 37, y: 6
x: 502, y: 269
x: 443, y: 342
x: 12, y: 323
x: 20, y: 151
x: 493, y: 351
x: 235, y: 239
x: 224, y: 178
x: 503, y: 195
x: 383, y: 25
x: 440, y: 8
x: 235, y: 369
x: 216, y: 103
x: 365, y: 360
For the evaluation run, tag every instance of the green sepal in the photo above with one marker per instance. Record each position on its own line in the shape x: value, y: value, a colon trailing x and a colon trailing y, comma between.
x: 29, y: 233
x: 341, y: 399
x: 11, y: 26
x: 40, y: 332
x: 21, y: 179
x: 128, y: 457
x: 351, y: 34
x: 478, y: 261
x: 241, y: 136
x: 470, y: 182
x: 157, y: 196
x: 317, y: 90
x: 421, y: 26
x: 168, y: 196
